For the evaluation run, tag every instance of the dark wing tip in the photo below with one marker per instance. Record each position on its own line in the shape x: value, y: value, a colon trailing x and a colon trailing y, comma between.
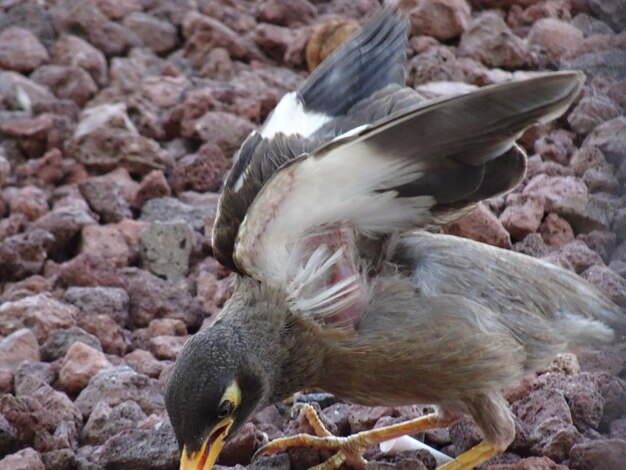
x: 367, y: 62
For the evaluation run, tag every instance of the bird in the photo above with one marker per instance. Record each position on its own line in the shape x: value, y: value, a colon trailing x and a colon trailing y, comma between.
x: 340, y: 285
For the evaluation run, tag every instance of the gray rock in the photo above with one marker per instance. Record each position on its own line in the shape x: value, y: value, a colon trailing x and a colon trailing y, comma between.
x: 610, y: 63
x: 590, y: 25
x: 30, y: 376
x: 610, y: 137
x: 148, y: 449
x: 169, y: 209
x: 117, y: 385
x: 611, y: 12
x: 165, y: 248
x: 111, y: 301
x: 60, y: 340
x: 105, y: 422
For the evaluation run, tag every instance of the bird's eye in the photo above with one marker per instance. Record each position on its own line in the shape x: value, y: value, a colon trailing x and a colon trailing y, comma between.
x: 226, y: 408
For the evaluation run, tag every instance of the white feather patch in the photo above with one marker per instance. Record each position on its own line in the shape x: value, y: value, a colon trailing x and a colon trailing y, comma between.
x: 290, y: 117
x: 344, y: 186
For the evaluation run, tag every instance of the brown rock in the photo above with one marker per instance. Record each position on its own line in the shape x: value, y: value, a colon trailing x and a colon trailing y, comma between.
x: 522, y: 215
x: 555, y: 36
x: 607, y: 282
x: 167, y: 326
x: 556, y: 231
x: 64, y: 224
x: 464, y: 434
x: 110, y: 334
x: 76, y: 52
x: 273, y: 40
x: 25, y: 459
x: 66, y: 82
x: 490, y: 41
x: 41, y: 313
x: 441, y: 19
x: 481, y: 225
x: 201, y: 171
x: 530, y: 463
x: 156, y: 34
x: 20, y: 50
x: 286, y: 12
x: 242, y: 446
x: 80, y: 364
x: 592, y: 455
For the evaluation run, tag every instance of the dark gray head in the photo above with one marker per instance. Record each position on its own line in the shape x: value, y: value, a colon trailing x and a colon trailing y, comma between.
x: 212, y: 392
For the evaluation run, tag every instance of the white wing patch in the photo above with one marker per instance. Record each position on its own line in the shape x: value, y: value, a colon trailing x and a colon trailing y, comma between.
x: 345, y: 186
x: 290, y: 117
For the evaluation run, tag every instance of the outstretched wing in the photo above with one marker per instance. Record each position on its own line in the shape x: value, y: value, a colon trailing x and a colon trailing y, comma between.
x: 417, y: 168
x: 370, y: 63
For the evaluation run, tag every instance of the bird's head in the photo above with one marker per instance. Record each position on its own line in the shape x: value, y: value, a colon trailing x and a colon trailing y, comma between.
x: 212, y: 392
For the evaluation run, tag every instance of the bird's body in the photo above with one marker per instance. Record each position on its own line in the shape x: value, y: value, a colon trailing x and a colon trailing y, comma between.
x: 335, y: 292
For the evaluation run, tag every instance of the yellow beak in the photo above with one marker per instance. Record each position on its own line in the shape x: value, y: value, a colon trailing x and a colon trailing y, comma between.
x: 205, y: 458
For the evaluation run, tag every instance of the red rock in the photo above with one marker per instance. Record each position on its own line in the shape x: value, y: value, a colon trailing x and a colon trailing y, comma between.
x: 285, y: 12
x: 10, y: 82
x: 481, y: 225
x: 21, y: 345
x: 610, y: 138
x: 489, y: 40
x: 64, y: 224
x: 29, y: 200
x: 20, y: 50
x: 592, y: 455
x: 107, y: 242
x: 592, y: 110
x: 555, y: 36
x: 607, y: 282
x: 41, y: 313
x: 34, y: 128
x: 73, y: 51
x: 167, y: 347
x: 156, y: 34
x: 218, y: 65
x: 105, y: 422
x: 464, y: 434
x: 530, y: 463
x: 152, y: 185
x: 46, y: 170
x: 201, y: 171
x: 580, y: 256
x: 25, y: 459
x: 144, y: 362
x: 441, y: 19
x: 118, y: 9
x: 225, y: 130
x: 90, y: 270
x: 66, y: 82
x: 522, y: 215
x: 204, y: 33
x: 273, y: 40
x: 435, y: 64
x: 242, y: 446
x: 80, y: 364
x: 110, y: 334
x: 556, y: 146
x: 167, y: 326
x: 152, y: 297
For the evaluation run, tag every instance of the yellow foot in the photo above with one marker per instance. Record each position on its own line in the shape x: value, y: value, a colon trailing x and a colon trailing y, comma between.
x: 473, y: 457
x: 349, y: 450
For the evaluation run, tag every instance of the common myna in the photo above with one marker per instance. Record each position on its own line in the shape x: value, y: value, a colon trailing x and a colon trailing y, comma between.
x: 335, y: 293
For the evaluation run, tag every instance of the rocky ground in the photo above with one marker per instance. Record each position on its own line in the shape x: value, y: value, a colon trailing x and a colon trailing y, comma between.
x: 118, y: 120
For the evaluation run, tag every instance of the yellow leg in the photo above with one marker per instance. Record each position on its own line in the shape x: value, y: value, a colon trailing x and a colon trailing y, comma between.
x: 473, y: 457
x: 349, y: 449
